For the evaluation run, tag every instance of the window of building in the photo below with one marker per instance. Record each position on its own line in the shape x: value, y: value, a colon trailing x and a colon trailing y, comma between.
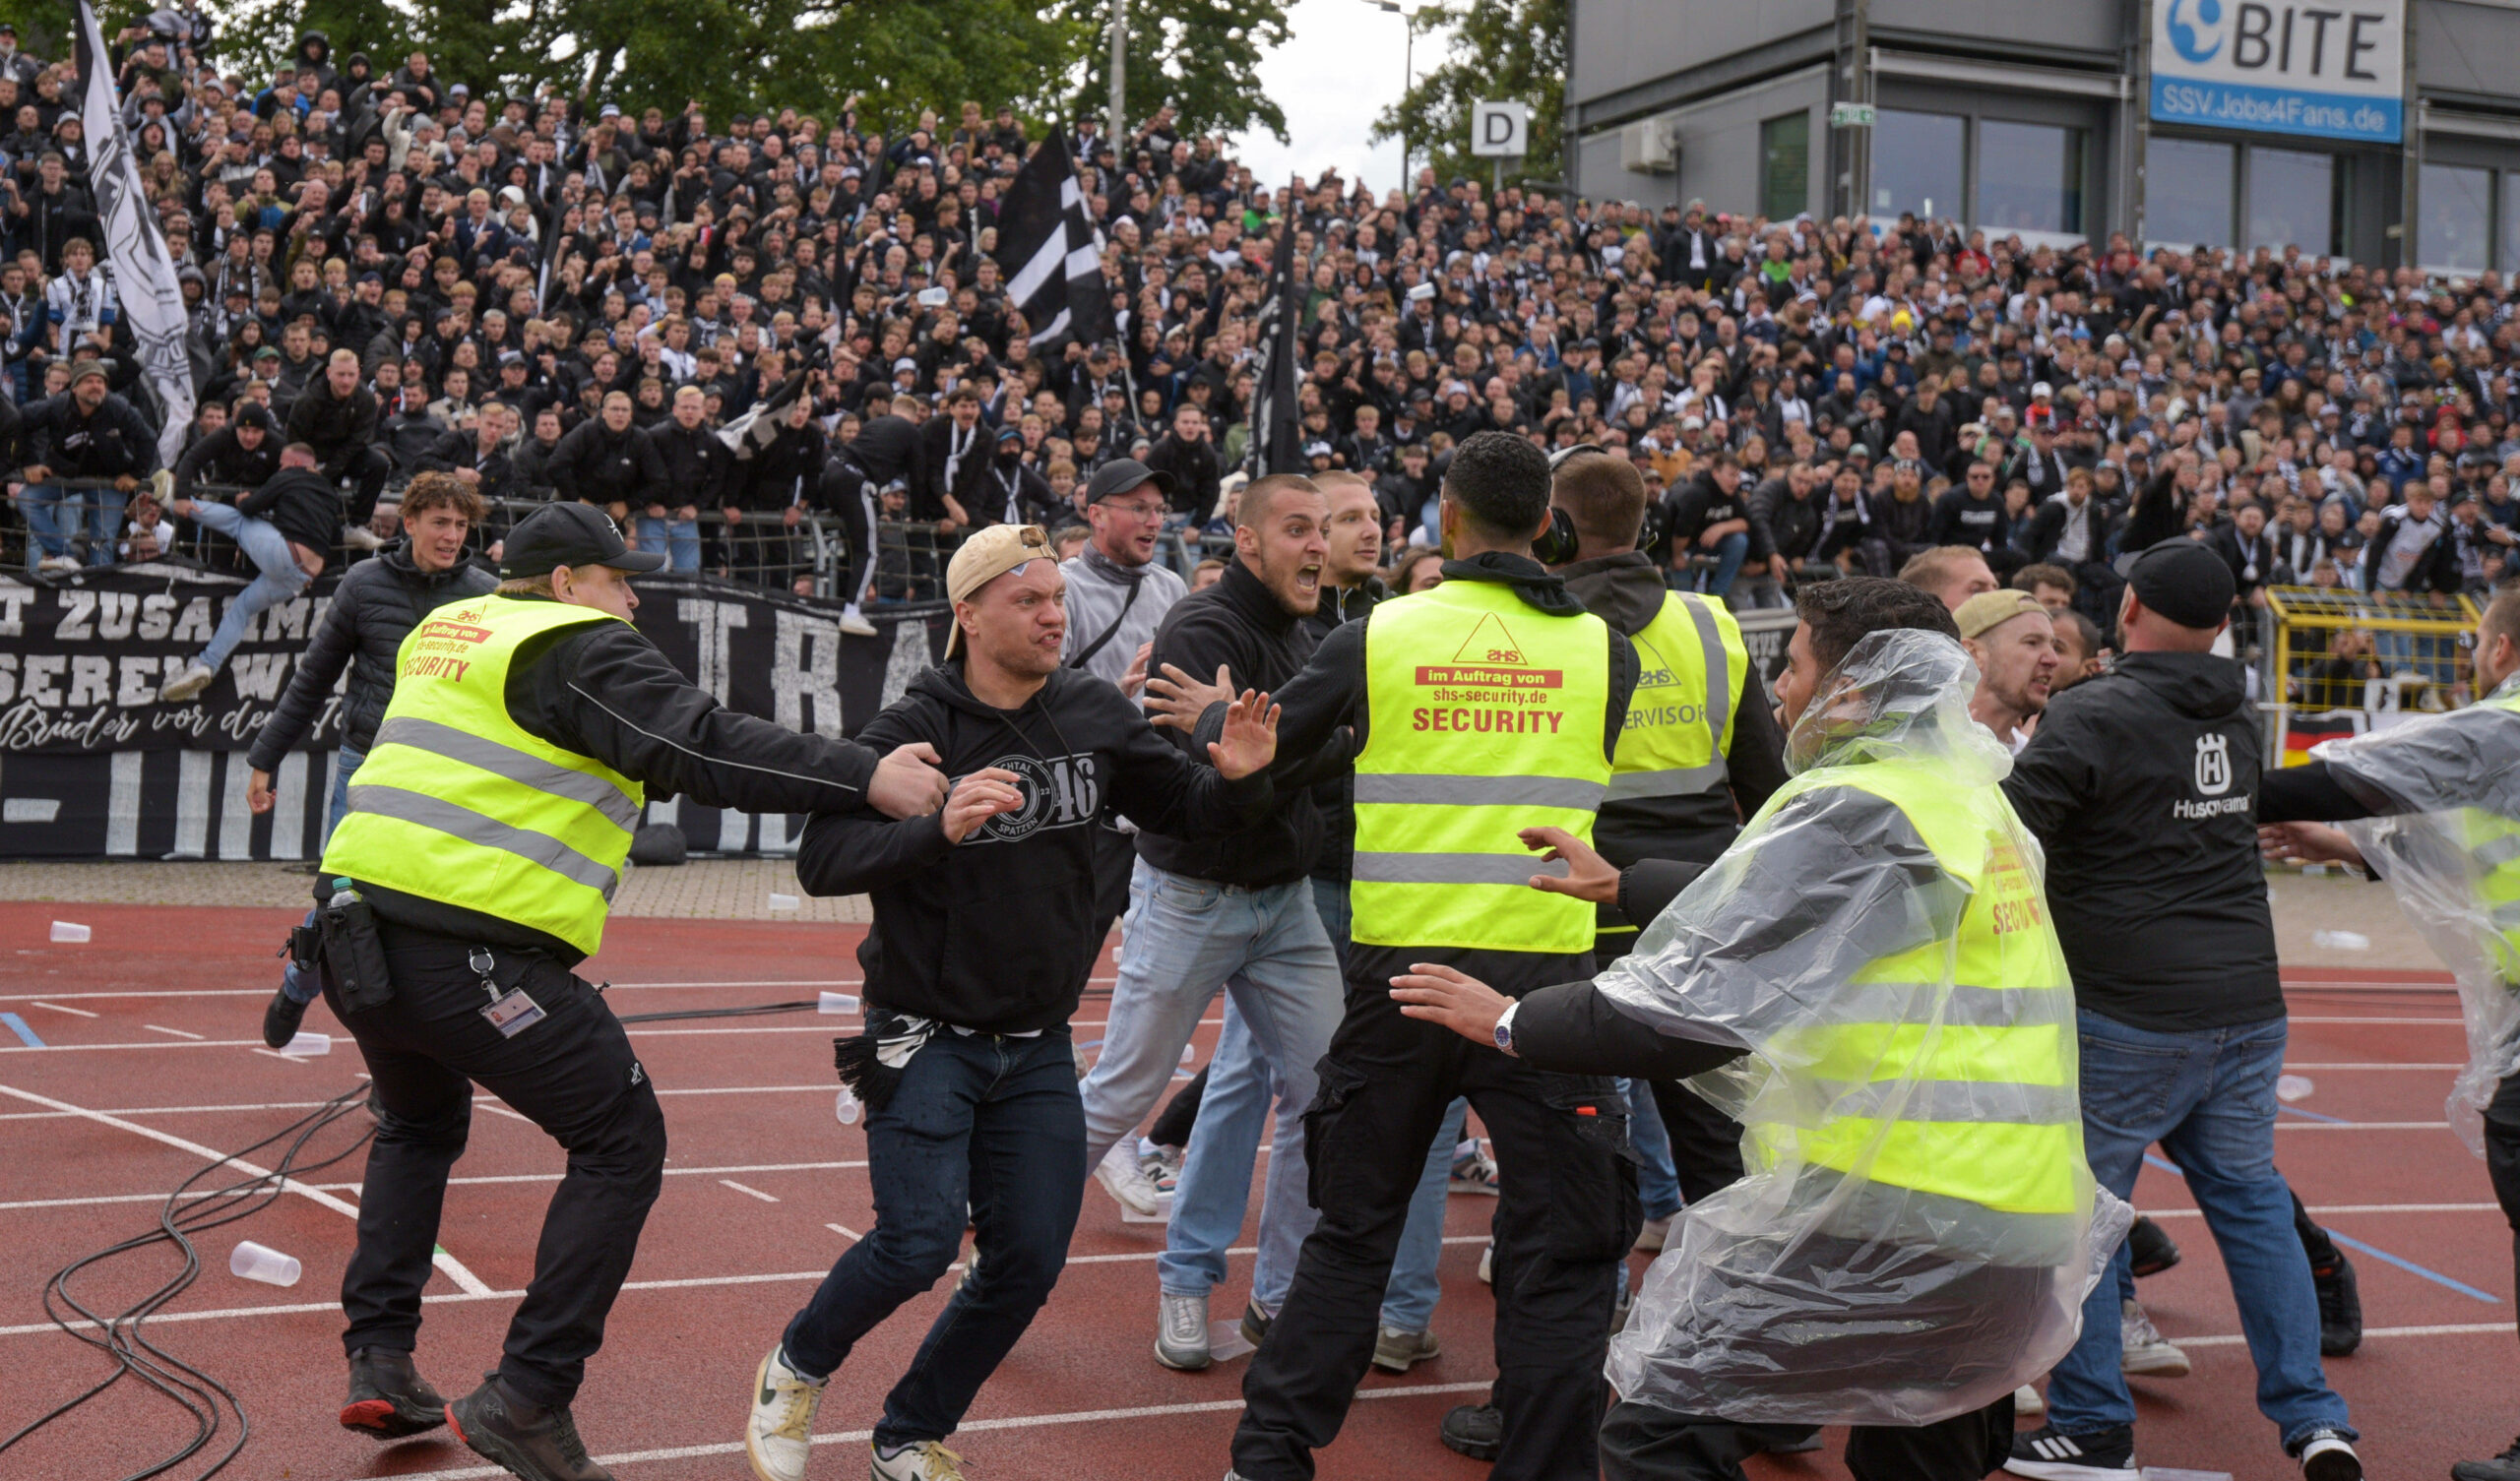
x: 2188, y: 186
x: 1918, y: 160
x: 1784, y: 165
x: 2030, y: 178
x: 2292, y: 200
x: 2453, y: 214
x: 2507, y: 236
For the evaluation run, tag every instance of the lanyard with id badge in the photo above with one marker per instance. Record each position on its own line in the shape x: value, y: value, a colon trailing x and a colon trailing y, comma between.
x: 511, y: 1013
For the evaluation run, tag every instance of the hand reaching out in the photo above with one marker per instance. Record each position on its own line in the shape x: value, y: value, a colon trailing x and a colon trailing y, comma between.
x: 1445, y: 998
x: 1176, y: 700
x: 1588, y: 875
x: 1250, y: 740
x: 2308, y: 843
x: 979, y: 797
x: 1133, y: 680
x: 907, y: 783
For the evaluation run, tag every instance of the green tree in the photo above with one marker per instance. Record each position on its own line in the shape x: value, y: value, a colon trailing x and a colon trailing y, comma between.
x: 1201, y: 56
x: 1499, y: 51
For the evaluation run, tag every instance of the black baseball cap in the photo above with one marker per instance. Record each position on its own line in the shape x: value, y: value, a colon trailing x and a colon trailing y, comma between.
x: 2184, y: 582
x: 1123, y: 474
x: 570, y: 535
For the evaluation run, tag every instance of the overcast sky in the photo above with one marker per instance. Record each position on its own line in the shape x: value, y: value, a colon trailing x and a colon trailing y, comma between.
x: 1341, y: 67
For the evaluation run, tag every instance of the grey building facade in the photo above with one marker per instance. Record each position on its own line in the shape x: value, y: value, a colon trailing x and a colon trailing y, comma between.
x: 2384, y: 132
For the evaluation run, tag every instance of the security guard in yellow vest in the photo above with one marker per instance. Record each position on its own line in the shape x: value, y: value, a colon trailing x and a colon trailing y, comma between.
x: 1914, y: 1230
x: 486, y: 835
x: 1476, y: 708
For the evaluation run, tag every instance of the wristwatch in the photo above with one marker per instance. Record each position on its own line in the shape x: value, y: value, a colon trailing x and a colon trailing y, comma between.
x: 1504, y: 1032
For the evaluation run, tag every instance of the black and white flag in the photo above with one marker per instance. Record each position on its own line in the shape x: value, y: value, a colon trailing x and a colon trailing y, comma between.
x: 1051, y: 253
x: 1277, y: 426
x: 758, y: 426
x: 144, y: 275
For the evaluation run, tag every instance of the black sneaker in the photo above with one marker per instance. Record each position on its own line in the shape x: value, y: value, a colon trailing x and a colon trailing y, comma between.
x: 1255, y: 1322
x: 1476, y: 1430
x: 534, y: 1441
x: 389, y: 1398
x: 2148, y: 1249
x: 2327, y: 1455
x: 2047, y: 1455
x: 281, y: 1020
x: 2502, y: 1467
x: 2340, y: 1307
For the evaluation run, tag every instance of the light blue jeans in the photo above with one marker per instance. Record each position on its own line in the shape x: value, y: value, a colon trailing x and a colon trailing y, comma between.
x: 1729, y: 552
x: 2208, y: 1097
x: 57, y: 515
x: 1658, y: 1183
x: 1180, y: 940
x: 281, y: 577
x: 678, y: 540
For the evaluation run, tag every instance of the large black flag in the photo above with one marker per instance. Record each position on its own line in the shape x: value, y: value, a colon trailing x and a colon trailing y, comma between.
x: 1051, y: 253
x: 1277, y: 428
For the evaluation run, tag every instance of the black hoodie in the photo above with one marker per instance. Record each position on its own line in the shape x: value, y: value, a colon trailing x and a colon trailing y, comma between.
x: 995, y: 934
x: 2141, y: 785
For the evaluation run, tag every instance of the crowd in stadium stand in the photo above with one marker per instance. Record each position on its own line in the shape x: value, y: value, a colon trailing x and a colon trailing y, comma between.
x: 363, y: 244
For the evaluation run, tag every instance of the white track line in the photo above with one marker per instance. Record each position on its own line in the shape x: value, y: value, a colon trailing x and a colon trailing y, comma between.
x: 58, y: 1008
x: 747, y: 1192
x: 454, y: 1268
x: 2451, y: 1023
x: 2330, y: 1209
x: 968, y: 1426
x: 2361, y: 1126
x: 181, y: 1033
x: 2381, y: 1065
x: 483, y: 1180
x: 2235, y: 1339
x: 308, y: 1105
x: 255, y: 992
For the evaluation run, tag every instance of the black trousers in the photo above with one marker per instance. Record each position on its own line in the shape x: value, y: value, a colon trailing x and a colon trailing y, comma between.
x: 1566, y: 1214
x: 371, y: 467
x: 574, y: 1076
x: 1706, y: 1144
x: 2502, y: 1156
x: 1640, y: 1442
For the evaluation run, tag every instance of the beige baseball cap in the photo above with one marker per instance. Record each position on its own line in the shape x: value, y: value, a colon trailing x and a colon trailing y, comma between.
x: 987, y: 556
x: 1989, y: 610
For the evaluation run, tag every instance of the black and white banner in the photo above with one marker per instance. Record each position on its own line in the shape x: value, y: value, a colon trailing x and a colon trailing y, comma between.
x: 92, y: 766
x: 153, y: 301
x: 1051, y: 252
x: 1277, y: 426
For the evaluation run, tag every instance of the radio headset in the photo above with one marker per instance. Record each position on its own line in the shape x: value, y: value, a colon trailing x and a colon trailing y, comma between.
x: 1557, y: 544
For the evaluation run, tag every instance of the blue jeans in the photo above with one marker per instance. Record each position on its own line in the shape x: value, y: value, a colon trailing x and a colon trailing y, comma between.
x: 678, y: 540
x: 1658, y: 1183
x: 57, y: 515
x: 1179, y: 941
x: 300, y: 985
x: 2208, y: 1097
x: 281, y: 577
x: 978, y: 1119
x: 1729, y: 552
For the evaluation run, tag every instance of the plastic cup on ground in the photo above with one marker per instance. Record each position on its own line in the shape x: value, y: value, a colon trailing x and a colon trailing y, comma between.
x: 780, y: 901
x: 838, y: 1003
x: 71, y: 932
x: 254, y: 1262
x: 2293, y: 1087
x: 307, y: 1044
x: 847, y: 1108
x: 2341, y: 941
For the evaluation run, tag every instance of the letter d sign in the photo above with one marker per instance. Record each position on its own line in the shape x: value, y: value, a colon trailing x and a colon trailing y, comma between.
x: 1499, y: 130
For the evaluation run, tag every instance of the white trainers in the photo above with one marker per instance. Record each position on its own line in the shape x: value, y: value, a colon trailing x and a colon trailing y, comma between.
x: 1474, y: 1171
x: 1181, y: 1332
x: 1650, y: 1238
x: 2144, y: 1352
x: 854, y: 623
x: 361, y: 537
x: 57, y: 565
x: 2028, y: 1403
x: 780, y: 1435
x: 187, y: 685
x: 927, y: 1460
x: 1123, y: 1178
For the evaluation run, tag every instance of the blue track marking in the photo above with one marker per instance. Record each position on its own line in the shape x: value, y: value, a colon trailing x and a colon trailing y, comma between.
x: 2411, y: 1268
x: 18, y: 1025
x: 2313, y: 1116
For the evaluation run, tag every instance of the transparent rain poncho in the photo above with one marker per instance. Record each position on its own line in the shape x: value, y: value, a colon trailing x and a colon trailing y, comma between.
x: 2450, y: 849
x: 1854, y: 1276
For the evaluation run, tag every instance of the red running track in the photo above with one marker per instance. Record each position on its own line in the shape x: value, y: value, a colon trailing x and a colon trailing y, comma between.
x: 763, y: 1183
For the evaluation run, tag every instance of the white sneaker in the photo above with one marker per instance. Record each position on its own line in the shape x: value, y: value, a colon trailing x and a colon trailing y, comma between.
x: 1487, y: 1264
x: 361, y: 537
x: 1474, y: 1170
x: 1123, y: 1178
x: 187, y: 685
x: 780, y: 1435
x: 1650, y: 1238
x: 854, y: 623
x: 2144, y: 1352
x: 927, y: 1460
x: 2028, y: 1403
x: 1181, y: 1332
x: 53, y: 564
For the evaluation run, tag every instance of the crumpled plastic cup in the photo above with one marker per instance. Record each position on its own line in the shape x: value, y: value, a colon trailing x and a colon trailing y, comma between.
x: 254, y: 1262
x: 839, y: 1003
x: 780, y: 901
x: 71, y: 932
x: 305, y: 1045
x: 847, y: 1108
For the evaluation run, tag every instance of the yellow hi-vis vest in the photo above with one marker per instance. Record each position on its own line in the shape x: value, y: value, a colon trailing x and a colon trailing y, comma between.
x: 1691, y: 662
x: 456, y: 802
x: 1486, y: 716
x: 1994, y: 1115
x: 2493, y: 843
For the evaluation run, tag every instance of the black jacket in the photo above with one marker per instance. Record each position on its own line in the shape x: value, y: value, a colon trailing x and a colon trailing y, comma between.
x: 1195, y: 470
x: 2141, y: 785
x: 218, y: 458
x: 1324, y: 719
x: 1336, y: 796
x: 1627, y: 592
x: 300, y: 504
x: 2436, y: 570
x: 1689, y: 509
x: 1959, y: 519
x: 460, y: 448
x: 995, y: 934
x: 598, y: 465
x: 697, y: 465
x: 1238, y: 624
x: 374, y: 608
x: 107, y: 443
x: 604, y: 689
x: 338, y: 428
x: 2048, y: 527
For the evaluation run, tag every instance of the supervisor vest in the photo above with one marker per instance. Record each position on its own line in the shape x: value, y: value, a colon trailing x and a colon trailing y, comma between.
x: 1984, y: 1106
x: 1691, y: 663
x: 459, y: 803
x: 1484, y: 718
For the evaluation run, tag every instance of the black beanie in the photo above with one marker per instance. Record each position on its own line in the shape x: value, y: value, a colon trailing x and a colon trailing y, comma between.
x: 2184, y: 582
